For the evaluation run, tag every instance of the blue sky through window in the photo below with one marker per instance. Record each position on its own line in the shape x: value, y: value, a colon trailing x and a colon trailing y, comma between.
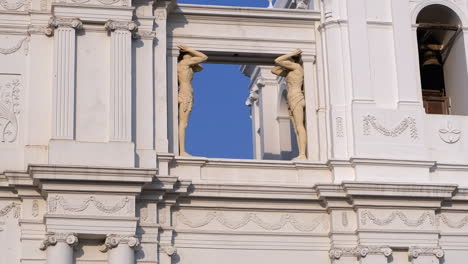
x: 220, y: 125
x: 247, y: 3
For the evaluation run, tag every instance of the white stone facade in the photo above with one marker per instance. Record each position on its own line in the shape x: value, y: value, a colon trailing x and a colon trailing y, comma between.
x: 89, y: 163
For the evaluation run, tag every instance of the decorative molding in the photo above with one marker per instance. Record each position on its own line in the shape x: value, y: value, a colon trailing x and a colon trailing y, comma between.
x: 344, y: 219
x: 415, y: 252
x: 452, y: 224
x: 53, y: 238
x: 43, y: 5
x: 160, y: 14
x: 112, y: 25
x: 61, y: 22
x: 252, y: 217
x: 35, y: 208
x: 408, y: 122
x: 112, y: 241
x: 170, y: 250
x: 151, y: 35
x: 396, y: 214
x: 16, y: 47
x: 339, y: 127
x: 254, y: 92
x: 15, y: 4
x: 337, y: 253
x: 449, y: 134
x: 12, y: 207
x: 364, y: 251
x: 9, y: 110
x: 104, y: 2
x: 302, y: 4
x: 46, y: 30
x: 360, y: 251
x: 56, y: 201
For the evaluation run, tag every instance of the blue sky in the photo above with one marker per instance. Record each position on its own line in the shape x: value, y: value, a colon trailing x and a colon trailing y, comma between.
x: 220, y: 124
x: 250, y: 3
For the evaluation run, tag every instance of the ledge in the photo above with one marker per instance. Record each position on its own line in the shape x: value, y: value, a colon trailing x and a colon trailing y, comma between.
x: 247, y: 12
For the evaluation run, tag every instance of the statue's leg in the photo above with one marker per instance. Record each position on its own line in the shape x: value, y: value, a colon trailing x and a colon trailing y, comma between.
x: 184, y: 114
x: 298, y: 115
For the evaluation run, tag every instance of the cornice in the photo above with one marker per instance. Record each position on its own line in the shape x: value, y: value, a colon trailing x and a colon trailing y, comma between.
x: 248, y: 12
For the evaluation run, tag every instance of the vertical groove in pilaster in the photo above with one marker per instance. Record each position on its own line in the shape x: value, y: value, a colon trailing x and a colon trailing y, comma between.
x: 64, y: 84
x: 120, y: 86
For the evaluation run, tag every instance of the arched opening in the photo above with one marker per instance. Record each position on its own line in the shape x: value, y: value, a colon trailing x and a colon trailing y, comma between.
x: 442, y: 61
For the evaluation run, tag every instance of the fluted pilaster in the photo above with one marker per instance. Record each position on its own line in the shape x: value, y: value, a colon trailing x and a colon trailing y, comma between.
x: 121, y: 79
x: 63, y: 116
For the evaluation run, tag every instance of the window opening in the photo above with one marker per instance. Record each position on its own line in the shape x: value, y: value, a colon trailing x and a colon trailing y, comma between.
x: 442, y: 61
x: 220, y: 124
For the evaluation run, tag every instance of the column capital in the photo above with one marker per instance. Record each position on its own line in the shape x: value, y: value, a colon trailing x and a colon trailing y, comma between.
x: 169, y: 250
x: 112, y: 25
x: 338, y: 252
x: 415, y: 252
x: 65, y: 22
x: 113, y: 241
x: 150, y: 35
x: 53, y: 238
x: 364, y: 251
x: 40, y: 30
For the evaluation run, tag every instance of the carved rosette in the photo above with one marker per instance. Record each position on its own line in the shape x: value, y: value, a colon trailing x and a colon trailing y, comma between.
x: 53, y: 238
x: 364, y: 251
x: 113, y: 241
x: 415, y: 252
x: 61, y: 22
x: 112, y: 25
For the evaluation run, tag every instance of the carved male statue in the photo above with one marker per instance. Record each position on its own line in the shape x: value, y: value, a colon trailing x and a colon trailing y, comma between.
x: 289, y: 66
x: 189, y: 60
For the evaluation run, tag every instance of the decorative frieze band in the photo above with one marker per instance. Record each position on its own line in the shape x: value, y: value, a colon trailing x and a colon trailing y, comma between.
x: 56, y: 201
x: 254, y: 218
x: 415, y: 252
x: 112, y: 241
x: 425, y: 217
x: 53, y: 238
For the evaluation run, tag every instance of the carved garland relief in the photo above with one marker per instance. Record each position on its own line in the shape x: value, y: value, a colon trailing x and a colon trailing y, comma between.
x: 370, y: 121
x: 254, y: 218
x: 425, y: 217
x: 57, y: 201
